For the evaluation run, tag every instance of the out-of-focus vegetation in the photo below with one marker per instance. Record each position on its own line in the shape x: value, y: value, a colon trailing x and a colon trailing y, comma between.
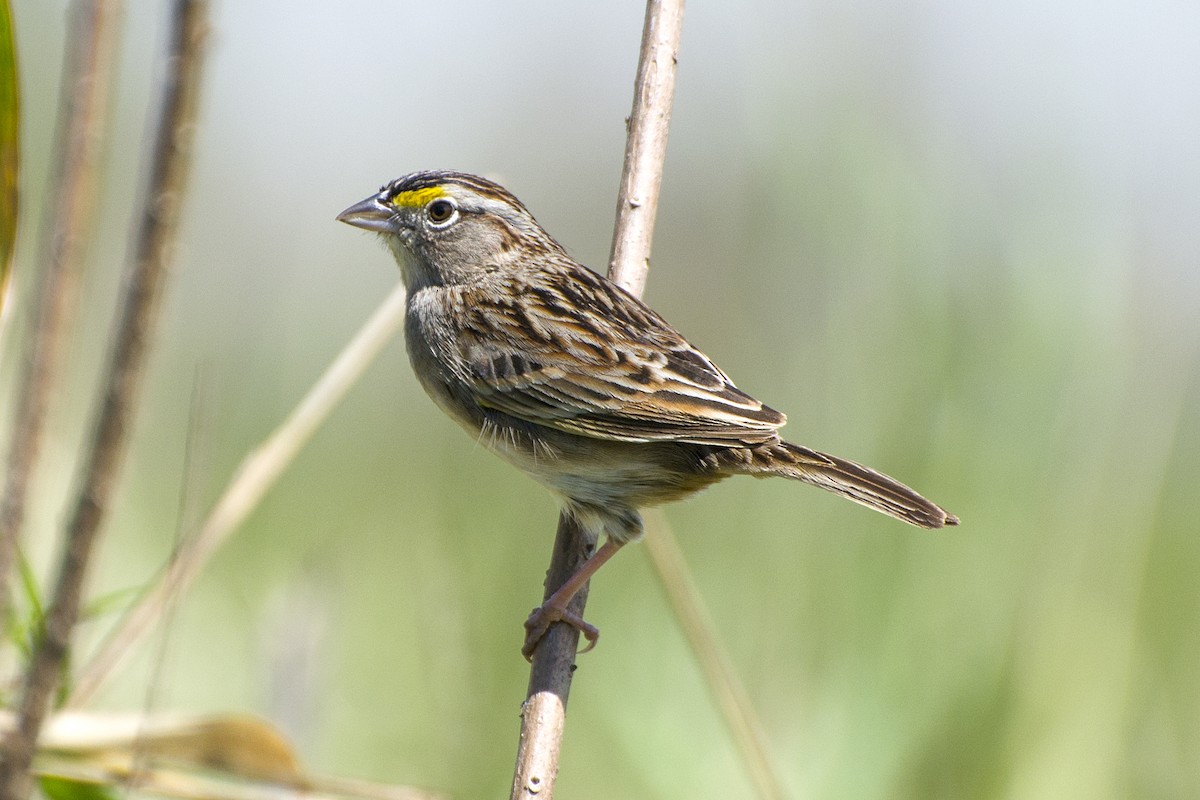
x: 956, y: 243
x: 10, y: 111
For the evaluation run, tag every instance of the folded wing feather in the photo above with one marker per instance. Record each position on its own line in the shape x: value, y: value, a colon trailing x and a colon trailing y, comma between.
x: 591, y: 359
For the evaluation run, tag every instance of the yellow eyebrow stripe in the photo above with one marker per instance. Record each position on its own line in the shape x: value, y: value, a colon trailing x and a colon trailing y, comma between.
x: 417, y: 197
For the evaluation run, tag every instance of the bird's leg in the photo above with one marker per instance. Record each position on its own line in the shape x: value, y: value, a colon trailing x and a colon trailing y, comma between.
x: 555, y: 607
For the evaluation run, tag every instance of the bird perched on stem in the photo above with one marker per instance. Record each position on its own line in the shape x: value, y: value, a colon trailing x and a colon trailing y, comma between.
x: 573, y: 379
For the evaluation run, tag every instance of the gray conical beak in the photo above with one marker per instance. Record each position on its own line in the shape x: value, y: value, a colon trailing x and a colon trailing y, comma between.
x: 371, y: 214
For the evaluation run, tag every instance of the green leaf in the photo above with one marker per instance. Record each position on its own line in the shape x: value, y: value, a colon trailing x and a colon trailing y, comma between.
x: 10, y: 116
x: 65, y: 789
x: 60, y: 788
x: 22, y: 628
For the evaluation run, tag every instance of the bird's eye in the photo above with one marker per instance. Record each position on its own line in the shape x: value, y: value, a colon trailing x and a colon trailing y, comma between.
x: 440, y: 211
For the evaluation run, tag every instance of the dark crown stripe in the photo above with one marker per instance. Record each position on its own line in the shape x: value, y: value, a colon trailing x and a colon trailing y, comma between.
x: 427, y: 180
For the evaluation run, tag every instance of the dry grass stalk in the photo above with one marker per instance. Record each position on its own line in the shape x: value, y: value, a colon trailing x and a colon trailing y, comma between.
x: 86, y: 78
x: 135, y: 326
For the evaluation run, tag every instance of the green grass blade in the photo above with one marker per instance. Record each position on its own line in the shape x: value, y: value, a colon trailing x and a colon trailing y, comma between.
x: 10, y: 112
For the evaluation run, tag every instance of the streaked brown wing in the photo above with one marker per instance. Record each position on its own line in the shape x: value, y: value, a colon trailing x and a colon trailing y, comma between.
x: 580, y: 354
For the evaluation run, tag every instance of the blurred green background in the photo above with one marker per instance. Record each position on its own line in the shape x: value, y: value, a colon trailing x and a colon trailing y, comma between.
x: 954, y: 241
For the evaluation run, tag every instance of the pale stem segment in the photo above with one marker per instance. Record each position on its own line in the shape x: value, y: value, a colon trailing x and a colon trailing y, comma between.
x: 544, y: 710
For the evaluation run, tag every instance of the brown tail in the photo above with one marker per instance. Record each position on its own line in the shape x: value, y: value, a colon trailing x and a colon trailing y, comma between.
x: 854, y: 481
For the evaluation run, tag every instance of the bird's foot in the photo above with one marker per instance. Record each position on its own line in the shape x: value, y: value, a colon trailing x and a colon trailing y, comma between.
x: 546, y: 615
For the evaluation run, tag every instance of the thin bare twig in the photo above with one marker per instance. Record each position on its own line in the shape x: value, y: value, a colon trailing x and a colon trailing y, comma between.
x: 544, y: 712
x: 254, y: 477
x: 646, y: 145
x: 138, y: 314
x: 86, y: 78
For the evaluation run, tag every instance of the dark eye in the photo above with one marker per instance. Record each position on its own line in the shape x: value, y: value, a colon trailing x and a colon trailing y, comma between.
x: 440, y: 211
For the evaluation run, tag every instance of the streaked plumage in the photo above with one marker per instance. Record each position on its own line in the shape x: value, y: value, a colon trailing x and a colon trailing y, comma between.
x: 570, y: 377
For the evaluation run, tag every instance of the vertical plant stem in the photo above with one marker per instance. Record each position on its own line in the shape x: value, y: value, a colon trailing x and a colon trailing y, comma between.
x: 544, y: 712
x: 86, y: 77
x: 135, y: 325
x: 646, y: 145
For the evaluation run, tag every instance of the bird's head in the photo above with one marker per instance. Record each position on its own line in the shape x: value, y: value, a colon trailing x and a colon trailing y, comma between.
x: 451, y: 227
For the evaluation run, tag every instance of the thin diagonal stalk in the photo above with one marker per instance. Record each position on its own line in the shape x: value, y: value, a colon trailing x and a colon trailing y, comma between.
x: 86, y: 78
x: 257, y: 473
x: 719, y: 675
x: 544, y: 713
x: 135, y: 325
